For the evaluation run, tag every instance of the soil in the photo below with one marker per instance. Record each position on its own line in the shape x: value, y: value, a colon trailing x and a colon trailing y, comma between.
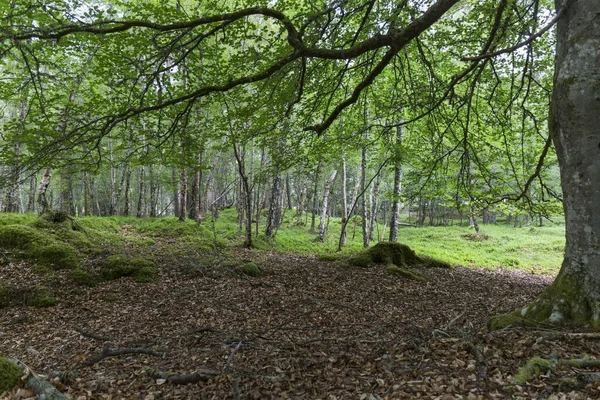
x: 303, y: 329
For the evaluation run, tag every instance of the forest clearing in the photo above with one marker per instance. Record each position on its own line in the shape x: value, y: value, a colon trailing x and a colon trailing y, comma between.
x: 304, y: 199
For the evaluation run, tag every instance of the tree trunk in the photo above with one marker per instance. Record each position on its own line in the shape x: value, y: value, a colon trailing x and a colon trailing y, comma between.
x: 315, y: 197
x: 274, y: 214
x: 326, y: 193
x: 142, y: 193
x: 574, y: 126
x: 127, y: 205
x: 374, y: 206
x: 197, y: 215
x: 343, y: 232
x: 183, y: 195
x: 397, y: 186
x: 43, y: 188
x: 363, y: 198
x: 31, y: 200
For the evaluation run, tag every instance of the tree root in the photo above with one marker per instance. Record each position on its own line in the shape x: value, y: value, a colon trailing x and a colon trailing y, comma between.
x: 42, y: 388
x: 92, y: 335
x: 202, y: 375
x: 537, y: 366
x: 107, y: 352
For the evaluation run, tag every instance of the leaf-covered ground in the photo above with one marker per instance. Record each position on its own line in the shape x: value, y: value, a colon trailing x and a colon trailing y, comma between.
x: 303, y: 329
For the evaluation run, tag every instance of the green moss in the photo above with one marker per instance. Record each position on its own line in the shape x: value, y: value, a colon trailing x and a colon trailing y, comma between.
x: 404, y: 272
x: 327, y: 257
x: 144, y: 270
x: 20, y: 237
x: 41, y: 297
x: 250, y: 269
x: 362, y: 260
x: 55, y: 255
x: 84, y: 278
x: 10, y: 374
x: 502, y: 321
x: 393, y: 253
x: 434, y: 263
x: 534, y: 367
x: 119, y: 266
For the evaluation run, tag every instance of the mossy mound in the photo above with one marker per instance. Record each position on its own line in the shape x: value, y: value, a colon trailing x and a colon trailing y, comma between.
x: 119, y: 266
x: 534, y: 367
x: 250, y: 269
x: 10, y: 374
x: 41, y: 297
x: 21, y: 237
x: 394, y: 254
x: 84, y: 278
x: 37, y: 296
x: 55, y: 256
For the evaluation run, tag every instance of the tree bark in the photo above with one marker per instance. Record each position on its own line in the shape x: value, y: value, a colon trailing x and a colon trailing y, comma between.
x: 183, y: 195
x: 363, y: 198
x: 397, y: 185
x: 42, y: 200
x: 326, y: 193
x: 343, y: 233
x: 274, y: 213
x: 574, y: 125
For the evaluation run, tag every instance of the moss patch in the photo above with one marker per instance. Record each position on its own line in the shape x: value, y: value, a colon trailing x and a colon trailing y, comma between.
x: 250, y: 269
x: 534, y: 367
x: 41, y: 297
x: 84, y: 278
x: 404, y: 272
x: 393, y: 253
x: 55, y: 256
x: 502, y: 321
x: 362, y: 260
x: 10, y: 374
x: 118, y: 266
x: 20, y: 237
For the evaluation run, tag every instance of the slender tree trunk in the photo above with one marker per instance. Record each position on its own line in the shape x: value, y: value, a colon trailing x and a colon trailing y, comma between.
x: 343, y: 233
x: 43, y: 189
x: 197, y: 215
x: 315, y: 207
x: 397, y: 191
x: 374, y: 207
x: 127, y: 205
x: 274, y: 209
x: 363, y: 199
x: 141, y: 193
x: 326, y: 193
x: 183, y: 195
x: 288, y: 191
x: 239, y: 157
x: 31, y: 200
x: 573, y: 124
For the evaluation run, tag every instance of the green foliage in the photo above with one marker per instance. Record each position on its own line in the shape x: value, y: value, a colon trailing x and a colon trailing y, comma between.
x: 10, y: 374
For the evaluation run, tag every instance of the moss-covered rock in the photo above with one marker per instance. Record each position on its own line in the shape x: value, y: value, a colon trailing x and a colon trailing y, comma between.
x: 144, y: 270
x: 10, y: 374
x: 55, y: 256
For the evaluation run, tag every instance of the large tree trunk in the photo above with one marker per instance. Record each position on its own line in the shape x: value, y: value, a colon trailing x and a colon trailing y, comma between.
x: 575, y: 129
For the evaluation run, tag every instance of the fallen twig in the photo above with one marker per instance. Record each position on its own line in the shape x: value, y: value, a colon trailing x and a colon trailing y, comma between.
x: 201, y: 375
x: 107, y: 352
x: 92, y: 335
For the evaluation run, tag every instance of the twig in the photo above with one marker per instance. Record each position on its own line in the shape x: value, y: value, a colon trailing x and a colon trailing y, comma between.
x: 107, y: 352
x: 202, y: 375
x: 92, y: 335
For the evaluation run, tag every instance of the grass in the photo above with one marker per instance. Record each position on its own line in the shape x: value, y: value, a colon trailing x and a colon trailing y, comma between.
x: 535, y: 249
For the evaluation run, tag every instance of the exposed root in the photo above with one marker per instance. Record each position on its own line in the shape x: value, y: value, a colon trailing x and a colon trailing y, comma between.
x: 202, y: 375
x: 42, y: 388
x: 538, y: 366
x: 107, y: 352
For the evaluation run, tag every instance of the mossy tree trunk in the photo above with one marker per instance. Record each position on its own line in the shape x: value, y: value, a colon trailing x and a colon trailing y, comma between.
x: 574, y: 125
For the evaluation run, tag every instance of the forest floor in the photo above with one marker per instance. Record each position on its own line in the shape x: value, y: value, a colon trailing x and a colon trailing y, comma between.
x: 303, y: 329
